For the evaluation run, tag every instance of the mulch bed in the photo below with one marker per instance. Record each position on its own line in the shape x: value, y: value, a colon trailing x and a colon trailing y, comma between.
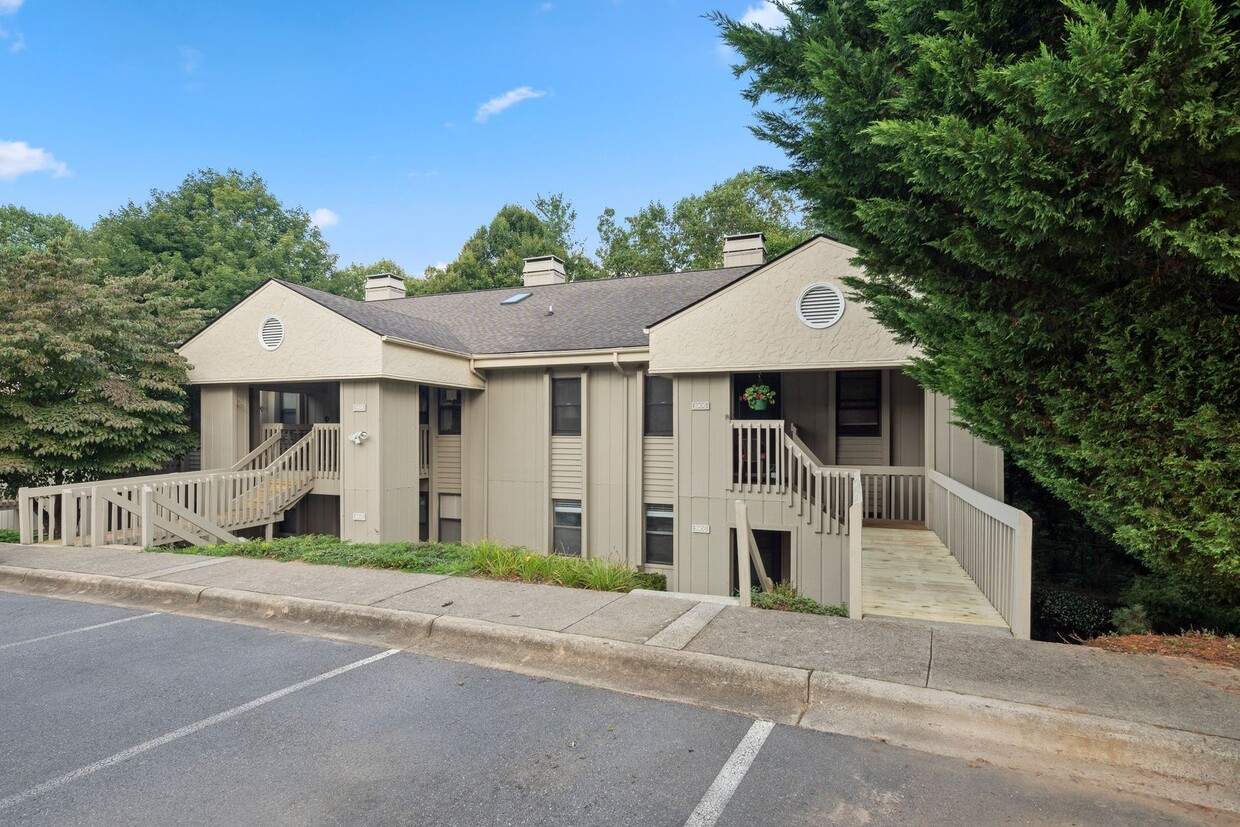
x: 1221, y: 650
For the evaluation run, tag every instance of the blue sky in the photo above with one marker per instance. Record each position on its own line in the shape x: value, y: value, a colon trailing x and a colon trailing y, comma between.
x: 409, y: 123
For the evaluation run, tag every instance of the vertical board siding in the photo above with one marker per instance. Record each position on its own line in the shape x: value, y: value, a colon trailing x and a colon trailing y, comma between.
x: 225, y: 425
x: 608, y: 434
x: 957, y: 454
x: 517, y: 444
x: 398, y: 442
x: 361, y: 481
x: 907, y: 421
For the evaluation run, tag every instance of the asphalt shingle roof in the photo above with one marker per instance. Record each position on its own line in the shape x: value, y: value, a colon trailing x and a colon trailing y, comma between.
x: 588, y: 315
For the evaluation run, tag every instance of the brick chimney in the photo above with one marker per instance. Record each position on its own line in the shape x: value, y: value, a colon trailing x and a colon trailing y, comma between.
x: 382, y: 286
x: 543, y: 270
x: 743, y: 250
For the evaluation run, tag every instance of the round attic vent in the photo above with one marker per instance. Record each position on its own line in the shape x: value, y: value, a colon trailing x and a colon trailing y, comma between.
x: 271, y: 333
x: 820, y: 305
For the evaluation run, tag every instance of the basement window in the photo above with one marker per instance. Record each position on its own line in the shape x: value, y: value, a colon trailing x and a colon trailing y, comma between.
x: 516, y: 298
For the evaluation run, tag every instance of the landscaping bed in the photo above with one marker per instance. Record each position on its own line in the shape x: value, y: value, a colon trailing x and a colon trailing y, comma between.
x: 9, y: 536
x: 785, y: 599
x: 1222, y: 650
x: 485, y: 559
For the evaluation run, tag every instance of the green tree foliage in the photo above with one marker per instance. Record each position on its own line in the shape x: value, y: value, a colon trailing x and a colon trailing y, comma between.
x: 22, y: 230
x: 220, y: 235
x: 350, y: 281
x: 1044, y: 197
x: 90, y: 384
x: 690, y: 236
x: 493, y: 256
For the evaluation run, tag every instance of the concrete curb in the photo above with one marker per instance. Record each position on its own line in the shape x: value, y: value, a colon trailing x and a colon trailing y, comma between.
x: 1169, y: 763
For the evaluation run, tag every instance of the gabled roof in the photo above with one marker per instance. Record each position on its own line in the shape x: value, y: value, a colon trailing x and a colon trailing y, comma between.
x: 586, y: 315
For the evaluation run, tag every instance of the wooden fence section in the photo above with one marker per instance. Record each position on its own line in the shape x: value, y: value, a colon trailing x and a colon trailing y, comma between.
x: 992, y: 541
x: 198, y: 508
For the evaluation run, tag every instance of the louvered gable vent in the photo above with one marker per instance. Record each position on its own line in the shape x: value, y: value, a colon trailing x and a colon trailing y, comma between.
x: 271, y: 333
x: 820, y: 305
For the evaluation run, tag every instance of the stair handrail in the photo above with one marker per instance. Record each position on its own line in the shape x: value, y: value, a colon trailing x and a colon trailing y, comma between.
x: 248, y: 462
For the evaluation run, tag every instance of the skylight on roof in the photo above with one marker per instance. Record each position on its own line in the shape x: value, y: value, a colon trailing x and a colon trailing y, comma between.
x: 518, y: 297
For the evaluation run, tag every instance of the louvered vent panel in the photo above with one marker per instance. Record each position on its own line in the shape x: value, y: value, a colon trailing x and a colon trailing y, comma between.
x: 271, y: 333
x: 821, y: 305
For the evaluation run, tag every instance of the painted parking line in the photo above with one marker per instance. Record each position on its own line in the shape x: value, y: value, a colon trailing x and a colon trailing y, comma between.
x: 198, y: 726
x: 729, y: 778
x: 77, y: 631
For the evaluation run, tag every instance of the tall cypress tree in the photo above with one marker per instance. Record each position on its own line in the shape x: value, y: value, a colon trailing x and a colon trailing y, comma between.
x: 1046, y: 199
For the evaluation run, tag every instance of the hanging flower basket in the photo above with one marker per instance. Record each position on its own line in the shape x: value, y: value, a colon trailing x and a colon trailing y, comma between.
x: 758, y: 397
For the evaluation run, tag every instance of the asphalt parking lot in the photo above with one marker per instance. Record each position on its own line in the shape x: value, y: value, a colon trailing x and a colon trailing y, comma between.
x: 116, y: 717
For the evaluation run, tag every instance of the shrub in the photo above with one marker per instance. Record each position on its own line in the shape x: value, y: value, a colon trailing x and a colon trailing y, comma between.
x: 1173, y: 606
x: 1059, y: 614
x: 9, y: 536
x: 1131, y: 620
x: 785, y: 599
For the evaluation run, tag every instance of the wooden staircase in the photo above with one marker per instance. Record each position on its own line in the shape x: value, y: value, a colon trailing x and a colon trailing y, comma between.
x: 198, y: 508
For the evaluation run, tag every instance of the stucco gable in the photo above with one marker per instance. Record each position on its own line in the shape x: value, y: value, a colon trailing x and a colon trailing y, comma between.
x: 752, y: 324
x: 319, y: 344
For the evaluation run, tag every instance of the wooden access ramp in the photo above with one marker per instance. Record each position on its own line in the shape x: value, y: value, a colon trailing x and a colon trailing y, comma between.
x: 909, y: 573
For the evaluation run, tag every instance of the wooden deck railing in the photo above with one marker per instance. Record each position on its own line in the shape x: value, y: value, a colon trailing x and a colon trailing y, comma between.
x: 992, y: 541
x: 198, y: 508
x: 894, y: 492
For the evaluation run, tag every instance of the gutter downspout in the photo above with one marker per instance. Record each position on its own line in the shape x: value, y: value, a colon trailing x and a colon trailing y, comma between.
x: 615, y: 362
x: 478, y: 375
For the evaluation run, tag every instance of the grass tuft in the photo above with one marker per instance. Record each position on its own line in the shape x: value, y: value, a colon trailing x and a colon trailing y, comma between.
x: 9, y: 536
x: 484, y: 559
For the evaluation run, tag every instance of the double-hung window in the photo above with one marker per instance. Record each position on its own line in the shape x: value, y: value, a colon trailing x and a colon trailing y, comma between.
x: 859, y: 403
x: 658, y: 406
x: 659, y: 541
x: 449, y: 412
x: 566, y: 527
x: 449, y: 518
x: 566, y: 407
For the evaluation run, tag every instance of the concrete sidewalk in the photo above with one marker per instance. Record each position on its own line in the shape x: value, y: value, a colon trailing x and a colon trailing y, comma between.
x: 1165, y: 726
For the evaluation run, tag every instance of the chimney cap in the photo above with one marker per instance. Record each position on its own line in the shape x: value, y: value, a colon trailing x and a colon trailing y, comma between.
x: 539, y: 271
x: 744, y: 249
x: 383, y: 286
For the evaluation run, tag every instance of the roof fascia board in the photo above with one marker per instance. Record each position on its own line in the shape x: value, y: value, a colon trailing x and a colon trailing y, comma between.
x: 800, y: 368
x: 608, y: 356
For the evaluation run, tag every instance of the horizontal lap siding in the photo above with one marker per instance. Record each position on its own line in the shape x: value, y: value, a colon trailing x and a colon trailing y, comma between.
x: 446, y: 464
x: 659, y: 469
x: 566, y: 467
x: 860, y: 450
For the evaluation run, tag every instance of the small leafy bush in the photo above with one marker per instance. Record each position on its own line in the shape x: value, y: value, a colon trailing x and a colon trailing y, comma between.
x: 1062, y: 615
x: 785, y: 599
x: 9, y: 536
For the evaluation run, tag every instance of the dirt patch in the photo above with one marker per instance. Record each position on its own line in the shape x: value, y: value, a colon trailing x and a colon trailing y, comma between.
x: 1221, y: 650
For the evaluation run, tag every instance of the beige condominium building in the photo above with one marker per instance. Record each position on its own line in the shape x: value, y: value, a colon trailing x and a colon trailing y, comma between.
x: 596, y: 418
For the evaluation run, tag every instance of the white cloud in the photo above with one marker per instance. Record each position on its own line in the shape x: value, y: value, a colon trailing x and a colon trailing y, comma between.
x: 323, y: 217
x: 20, y: 158
x: 10, y: 6
x: 766, y: 14
x: 498, y: 104
x: 19, y: 43
x: 428, y: 174
x: 545, y: 7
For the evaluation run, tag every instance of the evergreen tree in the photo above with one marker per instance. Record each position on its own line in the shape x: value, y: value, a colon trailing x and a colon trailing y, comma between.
x: 1044, y: 196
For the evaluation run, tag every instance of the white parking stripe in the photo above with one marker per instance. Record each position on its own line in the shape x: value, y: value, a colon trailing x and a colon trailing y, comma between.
x: 112, y: 760
x: 76, y: 631
x: 729, y: 778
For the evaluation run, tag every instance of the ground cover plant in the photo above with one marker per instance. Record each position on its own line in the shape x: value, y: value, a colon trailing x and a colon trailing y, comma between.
x: 9, y: 536
x: 484, y: 559
x: 784, y: 598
